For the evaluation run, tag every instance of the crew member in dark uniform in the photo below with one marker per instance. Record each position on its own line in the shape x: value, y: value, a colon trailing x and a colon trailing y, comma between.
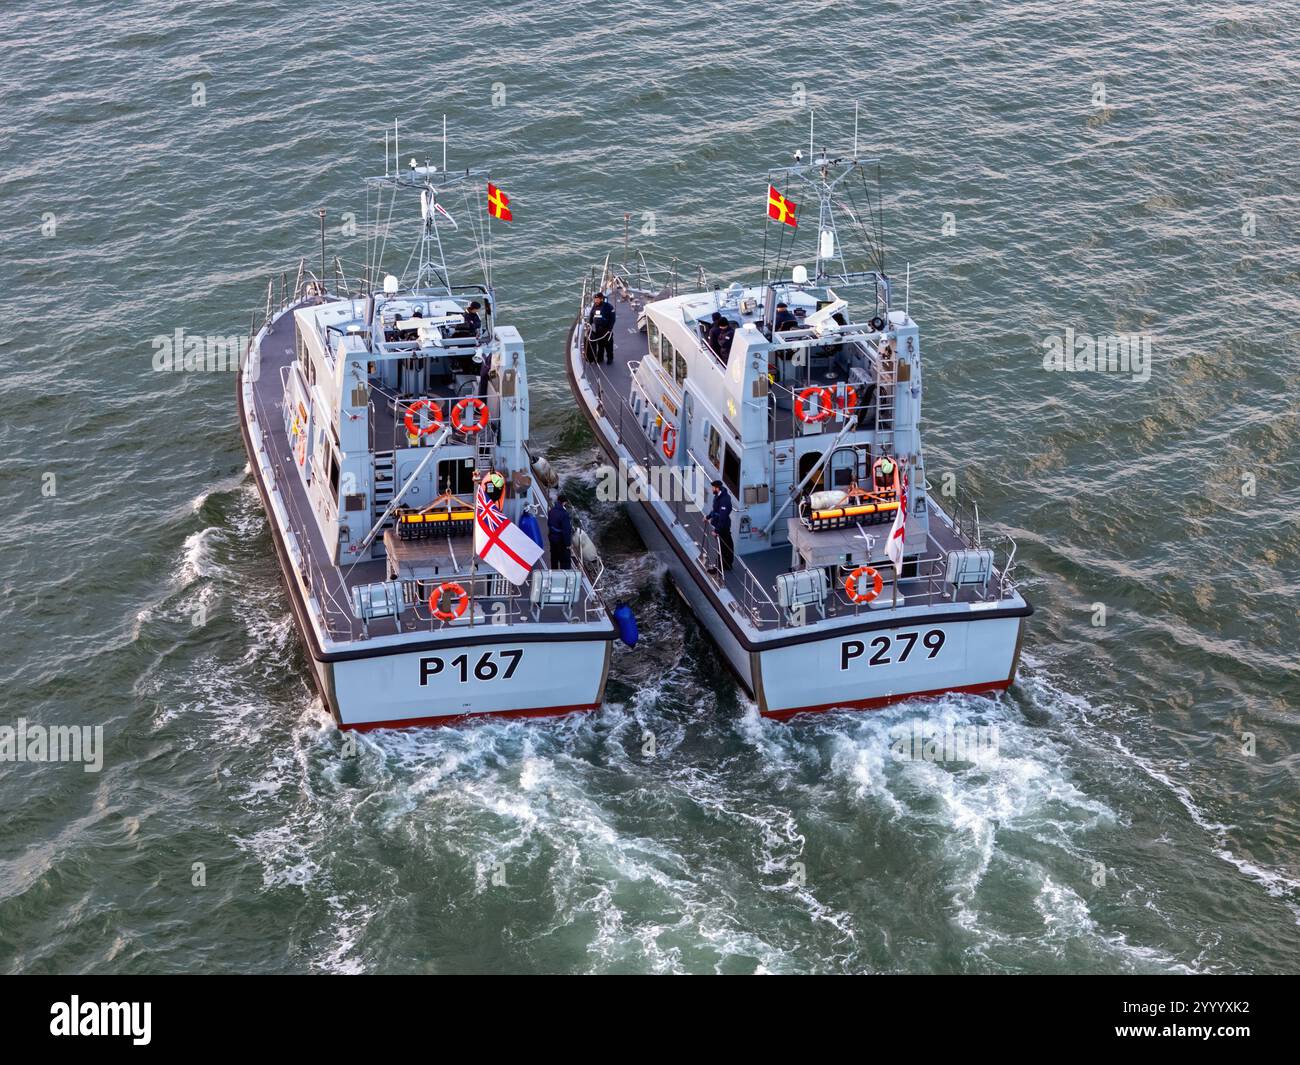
x: 711, y: 334
x: 600, y: 335
x: 473, y: 323
x: 720, y: 519
x: 784, y: 319
x: 726, y: 334
x: 559, y: 528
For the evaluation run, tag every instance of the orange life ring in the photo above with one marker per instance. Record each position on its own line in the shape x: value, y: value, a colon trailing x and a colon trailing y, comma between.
x: 462, y: 601
x: 851, y: 585
x: 668, y: 441
x: 825, y: 401
x: 850, y: 401
x: 458, y: 411
x: 435, y: 417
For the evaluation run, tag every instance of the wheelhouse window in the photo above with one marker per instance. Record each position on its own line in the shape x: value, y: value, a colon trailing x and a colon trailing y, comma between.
x: 652, y: 337
x: 679, y: 366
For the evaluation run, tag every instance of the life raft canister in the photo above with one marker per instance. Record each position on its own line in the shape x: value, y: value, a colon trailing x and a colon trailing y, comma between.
x: 435, y: 417
x: 458, y: 415
x: 851, y: 585
x: 449, y: 588
x: 825, y: 404
x: 669, y: 440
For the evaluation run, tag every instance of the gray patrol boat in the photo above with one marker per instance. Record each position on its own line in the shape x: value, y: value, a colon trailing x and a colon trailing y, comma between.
x: 372, y: 416
x: 810, y: 416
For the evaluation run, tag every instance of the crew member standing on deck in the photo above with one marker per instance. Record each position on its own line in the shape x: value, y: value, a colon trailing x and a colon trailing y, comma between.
x: 600, y: 330
x: 711, y: 334
x: 726, y: 334
x: 720, y: 519
x: 559, y: 528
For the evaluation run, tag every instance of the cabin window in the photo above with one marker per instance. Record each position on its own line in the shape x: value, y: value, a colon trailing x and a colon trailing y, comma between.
x: 679, y: 366
x: 334, y: 474
x: 715, y: 448
x: 731, y: 472
x: 652, y: 337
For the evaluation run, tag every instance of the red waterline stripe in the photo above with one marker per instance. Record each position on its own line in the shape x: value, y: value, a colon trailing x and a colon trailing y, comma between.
x: 453, y: 719
x: 886, y: 700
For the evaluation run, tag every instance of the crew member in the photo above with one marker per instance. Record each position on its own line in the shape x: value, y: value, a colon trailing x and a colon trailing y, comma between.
x: 473, y: 323
x: 883, y: 473
x: 600, y: 335
x: 784, y: 319
x: 494, y: 486
x: 712, y: 334
x: 726, y: 334
x: 720, y: 519
x: 559, y: 527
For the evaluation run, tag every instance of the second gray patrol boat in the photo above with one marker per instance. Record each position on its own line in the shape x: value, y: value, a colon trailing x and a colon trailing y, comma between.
x: 807, y: 407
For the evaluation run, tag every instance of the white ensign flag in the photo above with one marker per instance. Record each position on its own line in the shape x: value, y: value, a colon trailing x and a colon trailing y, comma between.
x: 501, y: 543
x: 898, y: 531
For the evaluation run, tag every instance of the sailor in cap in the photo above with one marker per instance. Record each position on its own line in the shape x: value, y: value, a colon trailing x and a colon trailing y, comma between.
x: 473, y: 323
x: 600, y: 330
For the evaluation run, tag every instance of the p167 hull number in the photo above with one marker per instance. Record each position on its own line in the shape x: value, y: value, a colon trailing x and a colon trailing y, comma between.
x: 887, y: 649
x: 490, y: 666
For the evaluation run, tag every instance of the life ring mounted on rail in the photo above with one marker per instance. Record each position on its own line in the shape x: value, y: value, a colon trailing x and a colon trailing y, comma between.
x: 825, y: 404
x: 851, y: 585
x: 480, y: 420
x: 850, y: 401
x: 668, y: 440
x: 435, y: 417
x: 449, y: 588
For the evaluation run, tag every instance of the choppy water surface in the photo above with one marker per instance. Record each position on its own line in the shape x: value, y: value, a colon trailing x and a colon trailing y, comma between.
x: 1167, y: 205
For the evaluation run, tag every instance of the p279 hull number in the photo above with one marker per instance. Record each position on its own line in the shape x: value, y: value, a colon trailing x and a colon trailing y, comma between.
x: 882, y: 650
x: 491, y: 665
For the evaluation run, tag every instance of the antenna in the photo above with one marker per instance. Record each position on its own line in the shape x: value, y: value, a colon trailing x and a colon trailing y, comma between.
x: 907, y: 289
x: 855, y: 131
x: 444, y: 144
x: 397, y: 155
x: 811, y: 115
x: 321, y: 212
x: 385, y: 152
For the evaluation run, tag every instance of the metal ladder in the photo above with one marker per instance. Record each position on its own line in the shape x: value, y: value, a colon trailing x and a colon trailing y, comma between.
x: 483, y: 456
x: 885, y: 389
x: 384, y: 482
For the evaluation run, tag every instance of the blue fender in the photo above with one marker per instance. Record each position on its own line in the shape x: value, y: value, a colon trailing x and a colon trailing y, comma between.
x: 529, y: 524
x: 626, y: 622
